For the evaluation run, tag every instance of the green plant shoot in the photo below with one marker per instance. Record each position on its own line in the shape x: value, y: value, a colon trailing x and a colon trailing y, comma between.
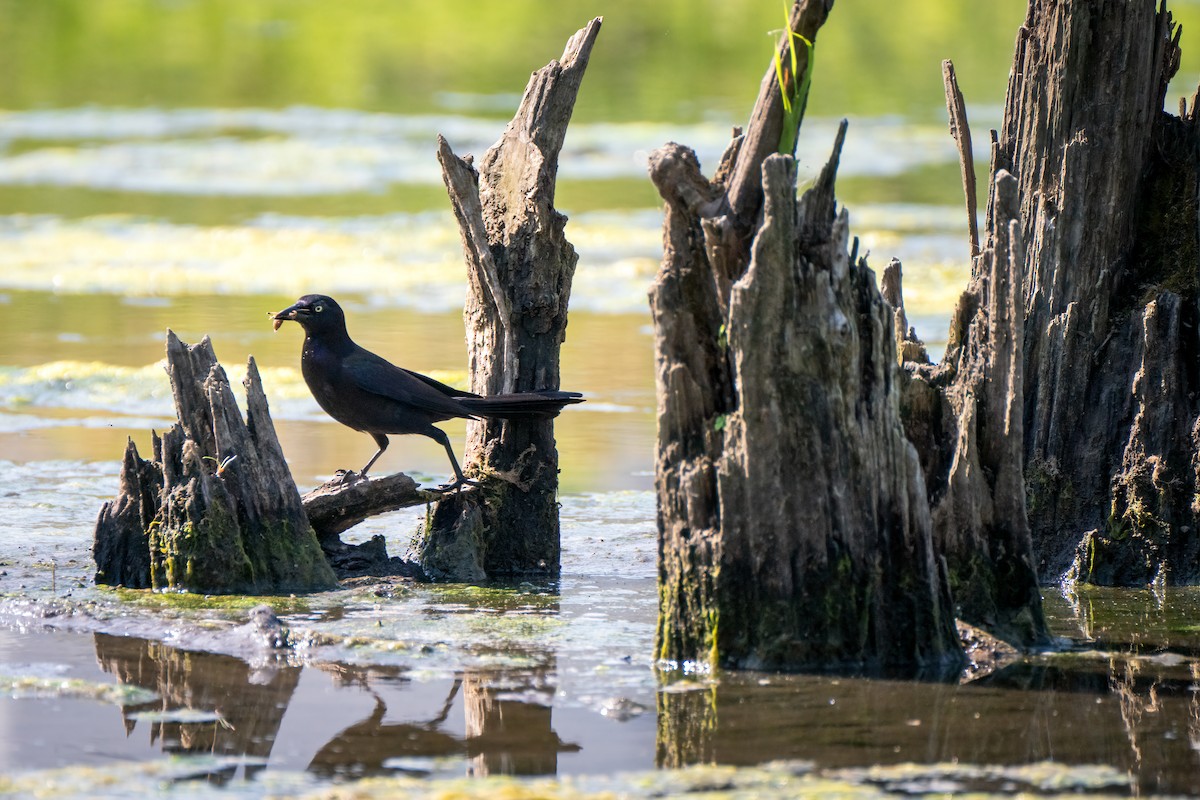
x: 794, y: 100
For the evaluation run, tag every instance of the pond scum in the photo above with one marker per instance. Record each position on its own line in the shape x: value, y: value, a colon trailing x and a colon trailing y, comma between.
x: 782, y: 780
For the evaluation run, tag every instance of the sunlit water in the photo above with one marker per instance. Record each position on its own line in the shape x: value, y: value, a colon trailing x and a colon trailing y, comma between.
x: 257, y: 152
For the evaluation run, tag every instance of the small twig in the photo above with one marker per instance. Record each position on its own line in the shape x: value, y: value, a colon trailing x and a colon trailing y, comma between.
x: 961, y: 132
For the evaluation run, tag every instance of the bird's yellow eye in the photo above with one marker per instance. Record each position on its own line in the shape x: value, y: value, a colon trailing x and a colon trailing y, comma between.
x: 319, y: 309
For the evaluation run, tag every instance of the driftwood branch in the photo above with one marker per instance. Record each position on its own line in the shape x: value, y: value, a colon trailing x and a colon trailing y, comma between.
x: 961, y: 131
x: 334, y: 507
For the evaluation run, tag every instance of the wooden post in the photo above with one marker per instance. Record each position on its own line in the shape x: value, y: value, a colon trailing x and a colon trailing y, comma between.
x: 520, y: 267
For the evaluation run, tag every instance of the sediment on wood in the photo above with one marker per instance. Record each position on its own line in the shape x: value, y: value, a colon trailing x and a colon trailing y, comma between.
x: 794, y: 530
x: 520, y: 267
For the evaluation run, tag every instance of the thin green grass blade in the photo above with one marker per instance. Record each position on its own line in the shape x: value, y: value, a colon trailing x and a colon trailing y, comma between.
x: 794, y: 106
x: 783, y: 92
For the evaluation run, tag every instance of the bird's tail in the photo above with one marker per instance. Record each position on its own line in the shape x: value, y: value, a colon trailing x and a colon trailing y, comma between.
x: 521, y: 404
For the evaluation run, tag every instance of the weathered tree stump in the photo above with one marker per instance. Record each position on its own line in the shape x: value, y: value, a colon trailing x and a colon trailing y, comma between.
x: 964, y: 416
x: 794, y: 530
x: 1108, y: 191
x: 520, y: 268
x: 217, y: 510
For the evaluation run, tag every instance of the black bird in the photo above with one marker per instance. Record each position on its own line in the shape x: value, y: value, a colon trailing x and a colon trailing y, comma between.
x: 369, y: 394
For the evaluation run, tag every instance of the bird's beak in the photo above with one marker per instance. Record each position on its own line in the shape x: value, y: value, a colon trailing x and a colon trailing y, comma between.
x: 288, y: 313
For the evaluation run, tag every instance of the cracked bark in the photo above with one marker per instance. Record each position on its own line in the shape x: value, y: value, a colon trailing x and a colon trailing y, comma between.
x: 793, y: 525
x: 1108, y: 191
x: 520, y: 267
x: 216, y: 511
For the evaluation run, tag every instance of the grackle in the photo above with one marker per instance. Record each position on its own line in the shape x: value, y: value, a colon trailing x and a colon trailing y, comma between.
x: 369, y: 394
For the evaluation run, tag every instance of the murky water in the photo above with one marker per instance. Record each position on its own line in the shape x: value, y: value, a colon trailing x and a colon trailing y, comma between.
x: 195, y: 164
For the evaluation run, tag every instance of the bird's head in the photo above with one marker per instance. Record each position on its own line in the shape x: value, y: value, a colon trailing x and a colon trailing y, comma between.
x: 316, y: 313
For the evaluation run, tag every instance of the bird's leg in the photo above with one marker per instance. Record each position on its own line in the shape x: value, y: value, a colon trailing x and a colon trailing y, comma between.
x: 460, y: 479
x: 380, y: 440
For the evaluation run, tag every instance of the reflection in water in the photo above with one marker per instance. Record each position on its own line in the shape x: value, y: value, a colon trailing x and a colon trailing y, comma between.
x: 508, y: 735
x: 1122, y: 679
x: 1193, y: 726
x: 221, y: 706
x: 1127, y: 620
x: 1137, y: 715
x: 687, y: 721
x: 364, y: 748
x: 248, y: 703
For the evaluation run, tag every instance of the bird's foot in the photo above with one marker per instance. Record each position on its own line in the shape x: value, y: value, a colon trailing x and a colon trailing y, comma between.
x: 455, y: 485
x: 347, y: 477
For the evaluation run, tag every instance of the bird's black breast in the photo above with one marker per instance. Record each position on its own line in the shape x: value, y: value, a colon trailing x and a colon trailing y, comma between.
x: 322, y: 370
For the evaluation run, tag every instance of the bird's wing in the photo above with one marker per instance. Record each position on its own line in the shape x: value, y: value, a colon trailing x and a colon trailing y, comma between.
x: 449, y: 391
x: 374, y: 374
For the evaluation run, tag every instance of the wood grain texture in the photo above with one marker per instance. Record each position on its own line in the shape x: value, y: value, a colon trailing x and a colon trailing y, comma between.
x: 217, y: 510
x: 520, y: 267
x: 793, y: 525
x: 1108, y: 209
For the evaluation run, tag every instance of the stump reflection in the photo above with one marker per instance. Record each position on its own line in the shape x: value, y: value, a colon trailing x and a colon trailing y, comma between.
x: 490, y: 721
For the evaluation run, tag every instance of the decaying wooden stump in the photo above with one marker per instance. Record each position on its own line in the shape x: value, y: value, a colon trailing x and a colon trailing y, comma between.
x: 121, y: 547
x: 216, y: 511
x: 1108, y: 191
x: 794, y: 530
x: 965, y: 417
x: 520, y: 268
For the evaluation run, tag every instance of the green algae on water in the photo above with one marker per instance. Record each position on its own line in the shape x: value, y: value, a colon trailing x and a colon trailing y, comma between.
x: 27, y: 686
x: 184, y: 777
x: 235, y: 604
